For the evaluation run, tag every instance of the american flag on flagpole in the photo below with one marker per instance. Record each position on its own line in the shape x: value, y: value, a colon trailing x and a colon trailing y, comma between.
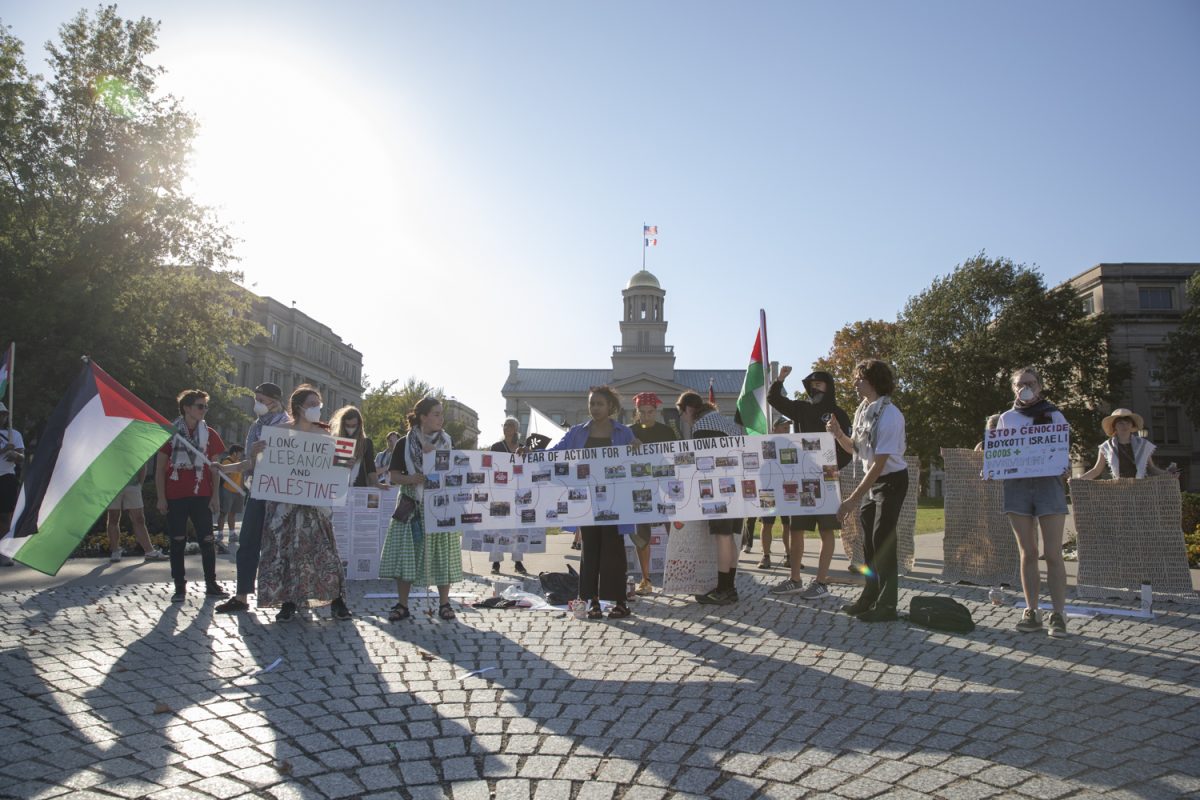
x: 650, y: 230
x: 343, y: 451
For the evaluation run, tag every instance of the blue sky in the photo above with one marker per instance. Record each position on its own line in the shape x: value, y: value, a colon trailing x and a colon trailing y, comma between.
x: 473, y: 177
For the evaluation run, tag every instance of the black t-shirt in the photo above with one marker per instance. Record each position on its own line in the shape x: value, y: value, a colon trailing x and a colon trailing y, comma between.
x: 658, y: 432
x: 399, y: 462
x: 1125, y: 462
x: 367, y: 462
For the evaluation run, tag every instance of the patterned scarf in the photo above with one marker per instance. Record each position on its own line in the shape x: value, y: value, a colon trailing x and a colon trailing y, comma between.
x: 865, y: 432
x: 416, y: 442
x: 183, y: 457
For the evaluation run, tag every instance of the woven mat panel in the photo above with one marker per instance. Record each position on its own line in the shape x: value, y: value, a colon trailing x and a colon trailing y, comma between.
x: 852, y: 544
x: 979, y: 546
x: 1130, y: 533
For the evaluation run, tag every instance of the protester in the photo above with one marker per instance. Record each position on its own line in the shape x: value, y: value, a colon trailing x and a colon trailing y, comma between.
x: 184, y: 485
x: 268, y: 410
x: 384, y: 460
x: 703, y: 421
x: 232, y: 501
x: 410, y: 553
x: 602, y: 560
x: 300, y: 561
x: 130, y: 499
x: 990, y: 425
x: 647, y: 430
x: 12, y: 453
x: 510, y: 443
x: 347, y: 422
x: 782, y: 425
x: 1124, y: 454
x: 1037, y: 502
x: 811, y: 416
x: 878, y: 438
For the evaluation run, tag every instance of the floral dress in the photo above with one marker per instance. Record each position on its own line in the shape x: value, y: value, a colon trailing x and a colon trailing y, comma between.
x: 299, y: 562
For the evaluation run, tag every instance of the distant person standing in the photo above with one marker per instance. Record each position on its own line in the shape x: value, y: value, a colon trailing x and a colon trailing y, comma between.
x: 268, y: 412
x: 384, y: 460
x: 782, y: 425
x: 184, y: 484
x: 1124, y: 454
x: 12, y: 453
x: 130, y: 501
x: 647, y: 429
x: 232, y: 502
x: 511, y: 443
x: 347, y: 423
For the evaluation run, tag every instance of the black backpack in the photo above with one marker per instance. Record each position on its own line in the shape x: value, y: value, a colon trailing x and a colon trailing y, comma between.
x: 941, y: 614
x: 560, y: 587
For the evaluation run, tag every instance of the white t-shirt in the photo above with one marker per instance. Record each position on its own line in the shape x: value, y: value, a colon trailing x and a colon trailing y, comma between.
x: 8, y: 467
x: 1015, y: 419
x: 890, y: 441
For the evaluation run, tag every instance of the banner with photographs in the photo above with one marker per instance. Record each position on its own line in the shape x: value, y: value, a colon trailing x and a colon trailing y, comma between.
x: 727, y: 477
x: 1030, y: 451
x: 305, y: 469
x: 359, y: 529
x: 518, y: 542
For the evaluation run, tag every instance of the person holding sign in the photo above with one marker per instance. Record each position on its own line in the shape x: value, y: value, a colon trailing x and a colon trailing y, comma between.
x: 878, y: 438
x: 602, y: 560
x: 410, y: 554
x: 1037, y: 502
x: 511, y: 443
x: 300, y: 561
x: 1125, y: 455
x: 648, y: 430
x: 347, y: 423
x: 705, y: 422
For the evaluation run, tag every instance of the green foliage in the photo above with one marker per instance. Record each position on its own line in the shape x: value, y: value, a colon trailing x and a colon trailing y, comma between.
x: 386, y: 407
x: 959, y: 340
x: 1190, y: 516
x: 1192, y: 542
x: 101, y: 251
x: 1179, y: 362
x: 872, y: 338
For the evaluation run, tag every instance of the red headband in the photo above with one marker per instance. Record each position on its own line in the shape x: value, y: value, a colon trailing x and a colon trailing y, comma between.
x: 646, y: 399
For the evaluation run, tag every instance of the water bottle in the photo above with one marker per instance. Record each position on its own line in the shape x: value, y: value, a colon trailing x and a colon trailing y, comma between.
x: 996, y: 595
x: 630, y: 588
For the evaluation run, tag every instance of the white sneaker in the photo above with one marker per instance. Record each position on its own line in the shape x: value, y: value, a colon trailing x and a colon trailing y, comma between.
x: 815, y: 590
x: 116, y: 556
x: 154, y: 555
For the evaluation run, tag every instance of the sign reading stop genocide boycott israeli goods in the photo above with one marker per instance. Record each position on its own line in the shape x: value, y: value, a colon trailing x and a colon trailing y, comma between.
x: 307, y: 469
x: 1030, y: 451
x: 727, y: 477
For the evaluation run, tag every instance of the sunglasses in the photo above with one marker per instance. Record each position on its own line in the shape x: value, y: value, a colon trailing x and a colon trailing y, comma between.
x: 201, y: 406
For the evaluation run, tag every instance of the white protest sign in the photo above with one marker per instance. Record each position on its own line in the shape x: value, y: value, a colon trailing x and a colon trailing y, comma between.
x: 305, y: 469
x: 360, y: 528
x: 724, y: 478
x: 1028, y: 451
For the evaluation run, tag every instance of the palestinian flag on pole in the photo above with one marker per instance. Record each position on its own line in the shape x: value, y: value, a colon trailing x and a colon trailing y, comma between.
x: 752, y: 411
x: 98, y: 437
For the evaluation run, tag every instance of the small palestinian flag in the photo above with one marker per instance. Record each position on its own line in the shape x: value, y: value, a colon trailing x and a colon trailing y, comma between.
x: 343, y: 451
x: 98, y: 437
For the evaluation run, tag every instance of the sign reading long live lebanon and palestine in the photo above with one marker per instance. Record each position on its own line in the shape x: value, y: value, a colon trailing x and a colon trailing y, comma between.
x: 306, y: 469
x: 727, y: 477
x: 1028, y: 451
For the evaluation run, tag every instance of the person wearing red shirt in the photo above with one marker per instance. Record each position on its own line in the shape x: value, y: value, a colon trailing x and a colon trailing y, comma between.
x: 185, y: 489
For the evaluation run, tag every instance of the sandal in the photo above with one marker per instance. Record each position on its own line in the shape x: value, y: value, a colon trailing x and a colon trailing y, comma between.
x: 594, y: 612
x: 445, y: 611
x: 620, y: 612
x: 399, y: 613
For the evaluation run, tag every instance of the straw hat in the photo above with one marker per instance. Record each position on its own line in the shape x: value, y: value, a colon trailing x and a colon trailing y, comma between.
x: 1109, y: 423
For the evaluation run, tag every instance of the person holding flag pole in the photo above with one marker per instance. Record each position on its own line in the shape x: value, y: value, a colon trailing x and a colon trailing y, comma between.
x: 12, y: 449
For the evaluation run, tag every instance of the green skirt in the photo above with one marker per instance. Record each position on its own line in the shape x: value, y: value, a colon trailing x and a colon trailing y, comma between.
x: 435, y: 561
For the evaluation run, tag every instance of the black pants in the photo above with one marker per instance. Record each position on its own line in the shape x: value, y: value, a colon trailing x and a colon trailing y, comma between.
x: 879, y: 513
x: 178, y: 513
x: 249, y: 544
x: 602, y: 564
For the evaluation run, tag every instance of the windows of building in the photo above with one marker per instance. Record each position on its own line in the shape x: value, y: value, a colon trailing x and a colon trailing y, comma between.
x: 1153, y: 370
x: 1156, y: 298
x: 275, y: 332
x: 1164, y: 425
x: 1088, y: 303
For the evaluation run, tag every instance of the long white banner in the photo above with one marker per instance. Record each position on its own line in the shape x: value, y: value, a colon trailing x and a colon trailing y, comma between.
x: 729, y: 477
x: 1030, y: 451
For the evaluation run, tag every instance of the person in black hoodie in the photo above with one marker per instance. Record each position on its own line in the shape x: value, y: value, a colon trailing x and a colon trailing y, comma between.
x: 810, y: 416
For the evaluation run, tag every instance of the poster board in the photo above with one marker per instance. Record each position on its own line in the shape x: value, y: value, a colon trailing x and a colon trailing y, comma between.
x: 1028, y: 451
x: 304, y: 469
x: 360, y: 527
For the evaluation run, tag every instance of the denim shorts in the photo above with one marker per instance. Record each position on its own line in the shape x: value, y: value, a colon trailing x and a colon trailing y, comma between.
x: 1035, y: 497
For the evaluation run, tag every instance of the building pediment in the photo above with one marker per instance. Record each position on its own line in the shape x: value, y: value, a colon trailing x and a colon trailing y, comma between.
x: 645, y: 382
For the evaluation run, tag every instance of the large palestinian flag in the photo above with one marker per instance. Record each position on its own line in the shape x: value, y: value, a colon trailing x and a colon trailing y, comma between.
x: 98, y: 437
x: 752, y: 411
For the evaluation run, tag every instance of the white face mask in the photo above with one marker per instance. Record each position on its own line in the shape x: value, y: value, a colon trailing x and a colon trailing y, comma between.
x: 1026, y: 394
x: 260, y: 409
x: 352, y: 429
x: 313, y: 413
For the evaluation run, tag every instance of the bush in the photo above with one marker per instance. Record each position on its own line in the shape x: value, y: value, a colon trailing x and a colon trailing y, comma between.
x: 1192, y: 542
x: 1191, y: 511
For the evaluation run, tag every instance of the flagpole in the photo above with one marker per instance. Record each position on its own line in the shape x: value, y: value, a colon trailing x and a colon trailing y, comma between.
x: 643, y: 245
x: 767, y: 377
x: 210, y: 464
x: 12, y: 357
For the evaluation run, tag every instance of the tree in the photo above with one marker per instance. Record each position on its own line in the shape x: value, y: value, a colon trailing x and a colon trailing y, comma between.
x: 960, y: 339
x: 385, y: 408
x: 1179, y: 364
x: 101, y: 251
x: 872, y: 338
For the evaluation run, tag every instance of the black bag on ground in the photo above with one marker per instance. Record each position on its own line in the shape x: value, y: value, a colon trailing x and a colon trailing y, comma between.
x: 941, y: 614
x: 560, y: 587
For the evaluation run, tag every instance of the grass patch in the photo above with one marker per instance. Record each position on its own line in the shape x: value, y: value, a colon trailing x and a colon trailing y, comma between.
x: 930, y: 518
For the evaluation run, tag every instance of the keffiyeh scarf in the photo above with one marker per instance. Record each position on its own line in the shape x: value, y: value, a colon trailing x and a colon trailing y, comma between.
x: 183, y: 457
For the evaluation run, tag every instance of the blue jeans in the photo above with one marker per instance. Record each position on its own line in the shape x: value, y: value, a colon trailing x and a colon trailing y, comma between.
x: 249, y: 544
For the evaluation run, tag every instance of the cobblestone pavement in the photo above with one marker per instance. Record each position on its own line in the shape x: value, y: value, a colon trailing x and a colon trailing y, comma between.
x: 113, y: 692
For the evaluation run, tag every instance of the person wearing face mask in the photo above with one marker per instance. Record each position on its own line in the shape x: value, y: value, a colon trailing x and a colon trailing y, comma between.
x: 300, y: 561
x: 1033, y: 503
x: 810, y: 416
x: 1124, y: 454
x: 648, y: 430
x: 410, y: 553
x: 268, y: 412
x: 186, y: 491
x: 384, y: 459
x: 12, y: 453
x: 347, y: 423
